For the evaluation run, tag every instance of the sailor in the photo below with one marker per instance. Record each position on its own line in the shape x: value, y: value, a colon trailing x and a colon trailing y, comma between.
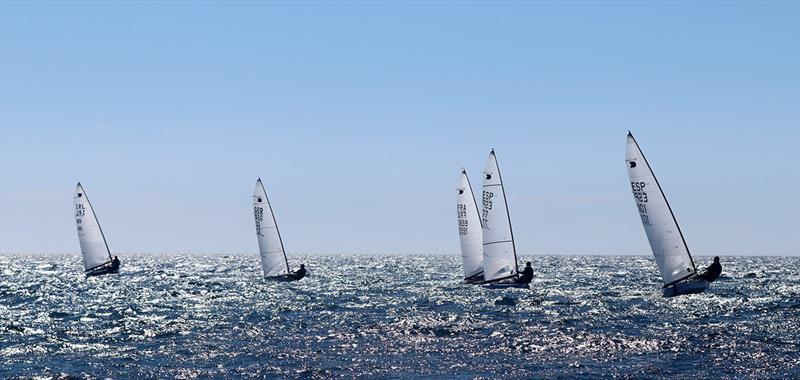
x: 115, y: 263
x: 713, y: 271
x: 527, y: 274
x: 300, y: 273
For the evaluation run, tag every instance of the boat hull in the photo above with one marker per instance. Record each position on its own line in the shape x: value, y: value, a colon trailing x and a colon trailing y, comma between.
x: 282, y: 278
x: 506, y: 284
x: 476, y: 279
x: 102, y: 270
x: 691, y: 286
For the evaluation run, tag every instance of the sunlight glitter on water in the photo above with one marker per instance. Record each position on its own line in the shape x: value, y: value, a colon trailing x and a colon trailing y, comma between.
x: 382, y: 316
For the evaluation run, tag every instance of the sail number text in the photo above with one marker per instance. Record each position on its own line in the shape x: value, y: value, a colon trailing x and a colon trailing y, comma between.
x: 463, y: 223
x: 79, y: 212
x: 259, y: 212
x: 641, y: 200
x: 487, y: 205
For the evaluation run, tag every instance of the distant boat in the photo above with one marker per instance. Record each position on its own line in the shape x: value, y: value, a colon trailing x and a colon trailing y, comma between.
x: 270, y: 245
x: 97, y: 258
x: 469, y: 231
x: 499, y: 252
x: 666, y: 239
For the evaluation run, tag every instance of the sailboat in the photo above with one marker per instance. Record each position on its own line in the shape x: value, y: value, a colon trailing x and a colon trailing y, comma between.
x: 500, y: 268
x: 97, y: 258
x: 470, y: 231
x: 270, y: 244
x: 666, y: 239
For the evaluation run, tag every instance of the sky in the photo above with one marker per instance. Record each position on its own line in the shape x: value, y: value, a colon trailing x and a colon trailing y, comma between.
x: 359, y: 115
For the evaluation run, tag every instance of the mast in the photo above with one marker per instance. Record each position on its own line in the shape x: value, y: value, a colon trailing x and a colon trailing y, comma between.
x: 470, y: 229
x: 473, y: 195
x: 275, y: 222
x: 82, y: 193
x: 498, y: 254
x: 672, y: 214
x: 505, y: 200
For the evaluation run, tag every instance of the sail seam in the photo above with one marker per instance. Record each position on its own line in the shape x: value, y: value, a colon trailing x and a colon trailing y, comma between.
x: 501, y: 241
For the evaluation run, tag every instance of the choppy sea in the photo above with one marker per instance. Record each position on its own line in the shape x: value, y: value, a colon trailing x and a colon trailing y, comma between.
x: 393, y: 317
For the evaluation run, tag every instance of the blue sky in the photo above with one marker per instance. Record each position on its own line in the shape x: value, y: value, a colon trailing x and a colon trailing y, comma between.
x: 358, y: 116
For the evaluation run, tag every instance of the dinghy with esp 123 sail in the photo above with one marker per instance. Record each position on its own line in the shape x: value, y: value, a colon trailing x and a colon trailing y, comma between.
x: 97, y: 258
x: 270, y: 245
x: 470, y: 231
x: 666, y: 239
x: 499, y: 252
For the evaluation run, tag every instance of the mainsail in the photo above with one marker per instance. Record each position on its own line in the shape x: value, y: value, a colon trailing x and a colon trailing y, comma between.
x: 93, y: 244
x: 273, y: 256
x: 469, y: 228
x: 666, y: 240
x: 499, y: 253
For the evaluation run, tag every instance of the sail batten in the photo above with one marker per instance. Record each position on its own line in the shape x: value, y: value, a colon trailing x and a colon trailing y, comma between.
x: 470, y: 231
x: 94, y: 247
x: 270, y: 244
x: 663, y: 232
x: 499, y: 250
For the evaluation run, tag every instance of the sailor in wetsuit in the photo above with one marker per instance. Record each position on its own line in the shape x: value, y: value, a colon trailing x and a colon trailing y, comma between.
x: 300, y: 273
x: 713, y: 271
x: 115, y: 263
x: 527, y: 274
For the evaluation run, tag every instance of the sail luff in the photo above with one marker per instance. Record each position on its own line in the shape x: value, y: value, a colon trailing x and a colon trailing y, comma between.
x: 670, y: 251
x: 508, y: 214
x: 270, y: 243
x: 90, y: 246
x: 499, y: 250
x: 99, y: 227
x: 471, y: 239
x: 275, y: 222
x: 660, y: 190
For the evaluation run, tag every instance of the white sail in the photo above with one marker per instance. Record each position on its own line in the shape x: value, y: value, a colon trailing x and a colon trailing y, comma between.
x: 273, y: 256
x: 93, y: 244
x: 666, y: 240
x: 499, y: 253
x: 469, y: 228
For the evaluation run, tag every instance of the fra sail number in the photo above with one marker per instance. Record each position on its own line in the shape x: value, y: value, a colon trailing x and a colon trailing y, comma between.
x: 487, y: 205
x: 463, y: 223
x: 641, y: 200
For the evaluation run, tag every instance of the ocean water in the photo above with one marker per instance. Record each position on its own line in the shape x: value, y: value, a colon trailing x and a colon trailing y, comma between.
x: 393, y: 317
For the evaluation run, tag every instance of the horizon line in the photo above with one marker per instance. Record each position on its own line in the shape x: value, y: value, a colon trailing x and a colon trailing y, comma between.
x: 255, y: 254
